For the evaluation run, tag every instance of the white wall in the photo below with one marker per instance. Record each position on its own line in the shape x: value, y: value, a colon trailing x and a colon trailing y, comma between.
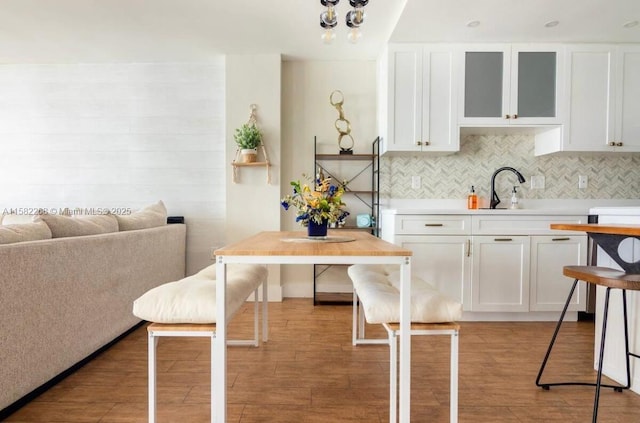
x: 127, y: 135
x: 117, y: 135
x: 252, y: 205
x: 306, y: 87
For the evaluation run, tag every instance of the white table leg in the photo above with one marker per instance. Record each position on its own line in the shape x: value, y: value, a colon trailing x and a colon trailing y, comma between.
x: 219, y: 385
x: 405, y: 341
x: 453, y: 389
x: 153, y: 342
x: 265, y: 310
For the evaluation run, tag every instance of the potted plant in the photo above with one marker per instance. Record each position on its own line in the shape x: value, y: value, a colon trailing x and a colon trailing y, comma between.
x: 248, y: 137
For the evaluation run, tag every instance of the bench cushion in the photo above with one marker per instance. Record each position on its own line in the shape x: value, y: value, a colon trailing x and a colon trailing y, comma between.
x: 378, y: 289
x: 193, y: 299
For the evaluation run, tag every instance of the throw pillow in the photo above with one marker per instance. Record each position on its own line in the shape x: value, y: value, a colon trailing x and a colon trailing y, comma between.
x: 66, y: 226
x: 24, y: 232
x: 14, y: 219
x: 149, y: 217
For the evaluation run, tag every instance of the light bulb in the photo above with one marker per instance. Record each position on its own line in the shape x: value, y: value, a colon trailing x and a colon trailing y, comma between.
x: 354, y: 35
x: 328, y: 18
x: 328, y: 36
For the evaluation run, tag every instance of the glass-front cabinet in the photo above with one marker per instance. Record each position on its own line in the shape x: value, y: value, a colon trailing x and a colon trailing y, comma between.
x: 511, y: 85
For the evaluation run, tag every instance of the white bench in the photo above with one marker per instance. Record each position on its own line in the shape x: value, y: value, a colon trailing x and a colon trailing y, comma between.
x: 376, y: 298
x: 187, y: 308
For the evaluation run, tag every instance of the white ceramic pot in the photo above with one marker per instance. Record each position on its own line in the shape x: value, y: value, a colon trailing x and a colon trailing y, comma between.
x: 249, y: 155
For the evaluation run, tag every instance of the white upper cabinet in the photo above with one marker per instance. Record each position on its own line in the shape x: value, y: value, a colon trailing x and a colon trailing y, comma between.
x: 418, y: 92
x: 627, y: 128
x: 590, y: 103
x: 603, y: 100
x: 510, y: 85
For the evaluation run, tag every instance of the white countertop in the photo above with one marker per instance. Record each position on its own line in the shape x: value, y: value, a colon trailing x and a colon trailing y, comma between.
x: 528, y: 207
x: 555, y: 212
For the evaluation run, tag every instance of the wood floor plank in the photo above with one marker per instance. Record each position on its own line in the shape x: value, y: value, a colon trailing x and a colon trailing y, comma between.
x: 309, y: 372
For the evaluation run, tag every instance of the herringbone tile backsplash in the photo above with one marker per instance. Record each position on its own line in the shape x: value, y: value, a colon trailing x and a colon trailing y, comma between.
x: 615, y: 176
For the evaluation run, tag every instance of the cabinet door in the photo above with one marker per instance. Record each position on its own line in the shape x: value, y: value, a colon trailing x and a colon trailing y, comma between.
x: 549, y: 287
x: 628, y: 100
x: 500, y: 273
x: 485, y: 76
x: 590, y: 98
x: 421, y: 110
x: 535, y: 94
x: 443, y: 261
x: 405, y: 98
x: 440, y: 131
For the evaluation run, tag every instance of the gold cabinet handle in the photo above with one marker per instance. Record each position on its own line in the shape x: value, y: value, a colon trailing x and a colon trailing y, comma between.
x: 618, y: 144
x: 612, y: 144
x: 507, y: 117
x: 434, y: 224
x: 427, y: 143
x: 503, y: 239
x: 418, y: 142
x: 561, y: 239
x: 515, y: 116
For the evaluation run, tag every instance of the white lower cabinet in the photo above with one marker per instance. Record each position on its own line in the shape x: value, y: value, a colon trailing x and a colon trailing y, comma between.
x: 549, y: 287
x: 443, y: 261
x: 494, y: 263
x: 500, y: 275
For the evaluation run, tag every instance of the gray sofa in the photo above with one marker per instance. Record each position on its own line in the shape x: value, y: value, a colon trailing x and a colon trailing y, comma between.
x: 62, y: 299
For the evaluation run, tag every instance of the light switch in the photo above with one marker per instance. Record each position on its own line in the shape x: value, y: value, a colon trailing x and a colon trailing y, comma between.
x: 583, y: 181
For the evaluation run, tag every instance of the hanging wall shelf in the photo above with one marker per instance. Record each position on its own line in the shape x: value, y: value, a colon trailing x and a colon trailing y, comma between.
x: 238, y: 162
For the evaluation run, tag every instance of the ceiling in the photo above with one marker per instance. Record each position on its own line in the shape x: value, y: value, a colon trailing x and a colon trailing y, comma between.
x: 62, y: 31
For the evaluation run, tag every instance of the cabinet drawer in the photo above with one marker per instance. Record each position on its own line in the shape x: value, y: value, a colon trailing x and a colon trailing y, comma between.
x: 522, y: 225
x: 433, y: 224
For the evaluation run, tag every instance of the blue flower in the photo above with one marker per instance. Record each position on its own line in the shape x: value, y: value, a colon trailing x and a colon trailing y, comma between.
x: 332, y: 190
x: 304, y: 216
x: 285, y: 205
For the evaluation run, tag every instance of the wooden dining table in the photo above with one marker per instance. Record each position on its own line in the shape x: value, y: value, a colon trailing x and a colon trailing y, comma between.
x: 339, y: 247
x: 608, y: 236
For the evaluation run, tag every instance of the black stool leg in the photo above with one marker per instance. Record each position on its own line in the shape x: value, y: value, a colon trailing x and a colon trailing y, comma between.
x: 629, y: 354
x: 605, y: 314
x: 546, y: 386
x: 553, y: 338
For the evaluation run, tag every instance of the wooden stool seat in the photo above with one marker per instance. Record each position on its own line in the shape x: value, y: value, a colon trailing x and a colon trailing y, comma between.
x: 608, y: 279
x: 604, y: 276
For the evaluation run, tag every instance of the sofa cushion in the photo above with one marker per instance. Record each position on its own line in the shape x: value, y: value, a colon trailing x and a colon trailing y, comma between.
x: 24, y: 232
x: 193, y: 299
x: 378, y: 288
x: 148, y: 217
x: 65, y: 226
x: 14, y: 219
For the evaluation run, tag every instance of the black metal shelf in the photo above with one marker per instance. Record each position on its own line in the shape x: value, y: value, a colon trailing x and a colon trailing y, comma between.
x: 371, y: 198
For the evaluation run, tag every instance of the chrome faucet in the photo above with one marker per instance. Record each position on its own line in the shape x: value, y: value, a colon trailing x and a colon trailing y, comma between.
x: 495, y: 200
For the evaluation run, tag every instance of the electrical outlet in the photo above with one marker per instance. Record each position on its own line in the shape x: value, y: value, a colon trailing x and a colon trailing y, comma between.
x: 537, y: 182
x: 583, y: 182
x: 416, y: 182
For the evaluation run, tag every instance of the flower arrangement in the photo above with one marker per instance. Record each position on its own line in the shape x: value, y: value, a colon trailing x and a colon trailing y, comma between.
x: 322, y: 203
